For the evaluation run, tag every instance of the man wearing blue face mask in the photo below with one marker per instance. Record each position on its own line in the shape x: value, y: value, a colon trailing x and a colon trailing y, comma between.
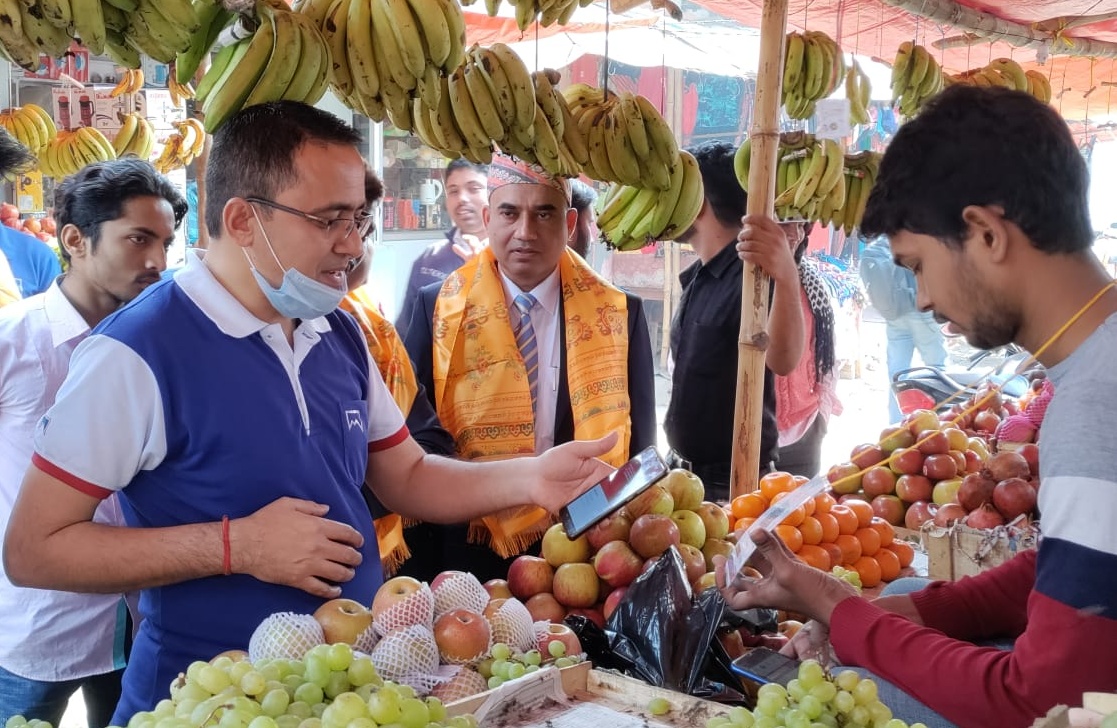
x: 238, y: 416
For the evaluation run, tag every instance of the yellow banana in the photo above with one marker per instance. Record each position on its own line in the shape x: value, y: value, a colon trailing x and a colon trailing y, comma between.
x: 520, y: 81
x: 386, y: 45
x: 660, y: 137
x: 483, y: 102
x: 334, y: 27
x: 901, y: 69
x: 464, y: 112
x: 690, y: 198
x: 666, y: 203
x: 634, y: 125
x: 455, y: 23
x: 128, y: 128
x: 357, y: 43
x: 408, y: 38
x: 283, y: 60
x: 431, y: 18
x: 794, y: 57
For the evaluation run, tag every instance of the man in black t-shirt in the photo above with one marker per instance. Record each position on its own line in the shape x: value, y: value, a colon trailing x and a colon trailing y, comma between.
x: 704, y: 332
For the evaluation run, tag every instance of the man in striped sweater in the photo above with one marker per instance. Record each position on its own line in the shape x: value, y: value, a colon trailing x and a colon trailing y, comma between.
x: 983, y: 197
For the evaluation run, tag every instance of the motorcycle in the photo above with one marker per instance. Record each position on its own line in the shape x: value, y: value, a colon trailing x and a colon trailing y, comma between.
x: 940, y: 388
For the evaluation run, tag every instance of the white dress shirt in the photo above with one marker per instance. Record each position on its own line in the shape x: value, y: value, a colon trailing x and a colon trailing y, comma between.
x: 46, y: 635
x: 545, y: 321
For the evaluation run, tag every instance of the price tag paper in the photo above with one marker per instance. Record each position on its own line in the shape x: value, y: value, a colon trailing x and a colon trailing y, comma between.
x: 769, y: 519
x: 832, y: 117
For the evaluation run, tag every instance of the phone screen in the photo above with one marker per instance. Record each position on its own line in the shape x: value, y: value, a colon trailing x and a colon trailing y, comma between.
x: 624, y: 484
x: 762, y: 665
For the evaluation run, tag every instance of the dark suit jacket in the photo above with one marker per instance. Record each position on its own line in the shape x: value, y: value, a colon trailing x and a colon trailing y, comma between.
x: 455, y: 552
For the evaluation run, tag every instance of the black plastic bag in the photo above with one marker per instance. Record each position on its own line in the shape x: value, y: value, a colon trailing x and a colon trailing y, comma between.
x: 663, y: 635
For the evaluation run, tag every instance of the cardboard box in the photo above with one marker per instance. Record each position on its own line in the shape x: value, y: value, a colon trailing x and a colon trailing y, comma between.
x: 962, y: 551
x: 589, y: 699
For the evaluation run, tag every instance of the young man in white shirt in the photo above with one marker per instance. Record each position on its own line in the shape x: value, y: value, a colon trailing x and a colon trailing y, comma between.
x: 116, y: 220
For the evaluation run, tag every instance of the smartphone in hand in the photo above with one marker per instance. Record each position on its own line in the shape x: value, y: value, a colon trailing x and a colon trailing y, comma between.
x: 621, y: 486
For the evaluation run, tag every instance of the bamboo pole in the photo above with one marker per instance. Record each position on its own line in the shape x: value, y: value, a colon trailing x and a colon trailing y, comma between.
x: 753, y: 339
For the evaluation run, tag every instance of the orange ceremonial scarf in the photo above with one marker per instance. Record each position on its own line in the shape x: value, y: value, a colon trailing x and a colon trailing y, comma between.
x: 481, y: 388
x: 390, y: 357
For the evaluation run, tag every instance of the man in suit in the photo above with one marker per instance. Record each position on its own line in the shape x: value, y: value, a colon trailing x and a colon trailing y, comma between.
x: 525, y: 347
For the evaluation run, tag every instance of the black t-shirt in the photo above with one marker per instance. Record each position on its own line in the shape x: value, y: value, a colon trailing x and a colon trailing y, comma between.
x: 704, y: 333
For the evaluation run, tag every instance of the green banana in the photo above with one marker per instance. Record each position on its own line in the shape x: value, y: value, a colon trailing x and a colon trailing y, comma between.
x: 212, y: 19
x: 283, y: 59
x: 217, y: 68
x: 245, y: 69
x: 741, y: 160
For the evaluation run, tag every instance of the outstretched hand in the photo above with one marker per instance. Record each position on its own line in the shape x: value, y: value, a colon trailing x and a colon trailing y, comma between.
x: 785, y: 583
x: 567, y: 470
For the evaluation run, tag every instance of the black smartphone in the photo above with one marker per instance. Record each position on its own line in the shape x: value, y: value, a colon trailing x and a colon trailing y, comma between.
x: 762, y: 665
x: 624, y: 484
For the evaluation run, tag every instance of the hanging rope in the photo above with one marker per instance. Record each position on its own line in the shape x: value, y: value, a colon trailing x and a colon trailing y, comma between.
x: 605, y: 65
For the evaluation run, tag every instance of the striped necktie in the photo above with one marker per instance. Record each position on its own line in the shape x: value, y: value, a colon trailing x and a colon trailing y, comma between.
x: 525, y: 340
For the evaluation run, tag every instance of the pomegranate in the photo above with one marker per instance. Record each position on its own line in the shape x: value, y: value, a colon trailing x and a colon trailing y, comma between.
x: 1014, y: 497
x: 950, y: 513
x: 1005, y: 465
x: 976, y: 490
x: 984, y: 518
x: 986, y: 421
x: 1030, y: 453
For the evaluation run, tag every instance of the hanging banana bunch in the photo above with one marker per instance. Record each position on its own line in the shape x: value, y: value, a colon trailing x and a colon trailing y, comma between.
x: 1006, y: 73
x: 630, y: 217
x: 547, y: 12
x: 859, y: 92
x: 136, y: 137
x: 860, y: 175
x: 809, y: 176
x: 31, y: 126
x: 814, y: 65
x: 70, y: 151
x: 286, y: 57
x: 181, y: 147
x: 916, y: 77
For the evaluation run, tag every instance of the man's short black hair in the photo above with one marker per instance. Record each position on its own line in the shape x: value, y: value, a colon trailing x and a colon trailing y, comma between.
x: 463, y: 163
x: 723, y: 191
x: 581, y: 195
x: 983, y: 146
x: 253, y: 153
x: 98, y: 192
x: 14, y: 157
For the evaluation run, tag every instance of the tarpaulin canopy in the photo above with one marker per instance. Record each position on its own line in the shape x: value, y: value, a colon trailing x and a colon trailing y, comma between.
x: 1083, y: 86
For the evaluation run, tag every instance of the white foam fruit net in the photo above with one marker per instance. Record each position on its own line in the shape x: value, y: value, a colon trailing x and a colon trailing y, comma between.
x: 465, y: 682
x: 460, y: 591
x: 408, y: 656
x: 366, y: 640
x: 512, y: 625
x: 285, y: 635
x: 416, y: 608
x: 449, y: 659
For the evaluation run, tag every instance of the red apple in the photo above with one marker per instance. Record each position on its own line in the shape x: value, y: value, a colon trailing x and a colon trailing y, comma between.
x: 959, y: 461
x: 617, y: 563
x: 557, y: 549
x: 392, y: 592
x: 543, y: 607
x: 613, y: 600
x: 529, y: 575
x: 691, y: 528
x: 895, y: 437
x: 940, y: 467
x: 704, y: 582
x: 890, y: 508
x: 685, y: 488
x: 919, y: 513
x: 612, y: 528
x: 593, y: 614
x: 497, y: 588
x: 462, y: 636
x: 563, y: 634
x: 343, y: 620
x: 866, y: 455
x: 714, y: 518
x: 932, y: 442
x: 652, y: 534
x: 974, y: 463
x: 655, y: 499
x: 912, y: 488
x: 575, y: 585
x: 906, y: 461
x: 878, y: 480
x: 693, y: 560
x: 844, y: 477
x: 648, y: 564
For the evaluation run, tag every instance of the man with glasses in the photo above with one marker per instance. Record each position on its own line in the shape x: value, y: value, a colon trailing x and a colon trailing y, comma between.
x: 238, y: 415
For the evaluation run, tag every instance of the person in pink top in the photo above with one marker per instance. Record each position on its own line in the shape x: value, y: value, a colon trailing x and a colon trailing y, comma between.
x: 983, y: 197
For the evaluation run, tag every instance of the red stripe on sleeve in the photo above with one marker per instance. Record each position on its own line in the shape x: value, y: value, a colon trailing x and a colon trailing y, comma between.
x: 82, y: 486
x: 391, y: 441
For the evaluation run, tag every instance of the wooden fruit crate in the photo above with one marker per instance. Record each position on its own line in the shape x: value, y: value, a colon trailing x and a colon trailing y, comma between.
x: 582, y: 697
x: 962, y: 551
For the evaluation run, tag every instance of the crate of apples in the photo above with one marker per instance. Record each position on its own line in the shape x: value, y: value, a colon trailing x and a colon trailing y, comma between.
x: 589, y: 575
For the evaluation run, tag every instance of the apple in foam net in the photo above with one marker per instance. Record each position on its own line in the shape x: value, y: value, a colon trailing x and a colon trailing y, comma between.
x: 443, y: 576
x: 685, y: 488
x: 392, y: 592
x: 611, y: 528
x: 714, y: 518
x: 691, y: 528
x: 343, y: 620
x: 493, y: 607
x: 576, y: 585
x: 462, y: 635
x: 557, y: 549
x: 529, y: 575
x: 497, y: 588
x: 617, y: 564
x: 543, y: 607
x: 652, y: 534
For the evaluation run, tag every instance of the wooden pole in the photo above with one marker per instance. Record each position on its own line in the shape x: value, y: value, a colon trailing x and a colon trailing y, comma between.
x: 753, y: 340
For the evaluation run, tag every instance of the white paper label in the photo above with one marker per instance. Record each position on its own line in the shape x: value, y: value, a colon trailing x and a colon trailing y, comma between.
x: 769, y: 519
x: 832, y: 117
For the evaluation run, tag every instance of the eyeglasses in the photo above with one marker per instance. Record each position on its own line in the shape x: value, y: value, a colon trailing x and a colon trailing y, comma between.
x: 363, y: 224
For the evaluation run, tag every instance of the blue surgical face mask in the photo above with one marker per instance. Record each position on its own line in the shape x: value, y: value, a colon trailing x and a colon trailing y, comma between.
x: 299, y: 296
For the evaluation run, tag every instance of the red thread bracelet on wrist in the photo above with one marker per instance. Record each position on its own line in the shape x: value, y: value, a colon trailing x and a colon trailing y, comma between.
x: 227, y: 559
